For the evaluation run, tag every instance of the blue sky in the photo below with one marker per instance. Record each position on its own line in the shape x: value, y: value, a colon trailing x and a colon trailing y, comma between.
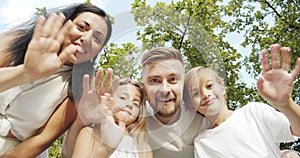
x: 13, y: 12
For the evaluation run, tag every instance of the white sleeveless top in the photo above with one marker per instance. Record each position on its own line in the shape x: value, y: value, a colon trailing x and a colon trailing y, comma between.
x: 126, y: 149
x: 26, y: 108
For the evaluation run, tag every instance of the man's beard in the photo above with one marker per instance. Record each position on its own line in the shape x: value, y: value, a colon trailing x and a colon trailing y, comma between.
x: 169, y: 114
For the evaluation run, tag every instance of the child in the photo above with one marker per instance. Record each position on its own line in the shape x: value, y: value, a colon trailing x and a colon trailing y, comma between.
x: 127, y: 109
x: 256, y: 129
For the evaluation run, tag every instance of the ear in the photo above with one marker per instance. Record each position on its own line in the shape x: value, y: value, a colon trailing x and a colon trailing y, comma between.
x: 142, y: 85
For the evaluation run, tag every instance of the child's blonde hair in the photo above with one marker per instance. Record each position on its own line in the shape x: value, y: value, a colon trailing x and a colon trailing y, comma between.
x: 188, y: 77
x: 137, y: 130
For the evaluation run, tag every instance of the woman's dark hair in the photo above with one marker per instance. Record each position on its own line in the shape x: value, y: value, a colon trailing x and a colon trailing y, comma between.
x: 24, y: 34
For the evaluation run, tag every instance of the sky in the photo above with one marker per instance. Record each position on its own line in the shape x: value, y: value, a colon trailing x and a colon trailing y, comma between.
x: 12, y: 12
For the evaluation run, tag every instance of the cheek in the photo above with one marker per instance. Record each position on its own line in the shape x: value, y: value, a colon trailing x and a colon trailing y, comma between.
x: 94, y: 50
x: 195, y: 103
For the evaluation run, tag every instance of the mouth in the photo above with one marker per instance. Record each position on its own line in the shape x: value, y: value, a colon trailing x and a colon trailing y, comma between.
x: 208, y: 102
x: 129, y: 113
x: 166, y: 101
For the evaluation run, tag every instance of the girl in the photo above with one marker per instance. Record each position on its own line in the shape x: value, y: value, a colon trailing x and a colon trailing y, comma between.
x: 126, y: 109
x: 256, y: 129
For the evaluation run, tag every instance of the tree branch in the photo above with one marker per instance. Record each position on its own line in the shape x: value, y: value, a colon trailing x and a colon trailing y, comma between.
x: 276, y: 12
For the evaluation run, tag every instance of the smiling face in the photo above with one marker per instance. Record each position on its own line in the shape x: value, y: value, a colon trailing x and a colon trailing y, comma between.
x: 128, y: 101
x: 206, y: 92
x: 88, y: 35
x: 163, y: 83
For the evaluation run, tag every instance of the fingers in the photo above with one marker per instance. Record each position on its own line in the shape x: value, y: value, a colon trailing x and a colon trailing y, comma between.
x: 85, y: 84
x: 53, y: 25
x: 62, y: 33
x: 103, y: 86
x: 67, y: 54
x: 265, y: 61
x: 106, y: 83
x: 286, y: 58
x: 296, y: 71
x: 37, y: 33
x: 98, y: 77
x: 275, y: 56
x: 259, y: 84
x: 115, y: 84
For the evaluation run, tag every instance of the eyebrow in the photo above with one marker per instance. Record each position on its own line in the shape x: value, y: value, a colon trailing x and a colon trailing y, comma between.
x: 89, y: 25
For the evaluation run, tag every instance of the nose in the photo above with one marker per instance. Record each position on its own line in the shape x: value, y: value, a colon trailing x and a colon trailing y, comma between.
x: 86, y: 37
x: 165, y: 89
x: 74, y: 33
x: 205, y: 93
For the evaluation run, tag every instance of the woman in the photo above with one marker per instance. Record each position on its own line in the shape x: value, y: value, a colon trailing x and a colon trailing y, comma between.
x: 30, y: 113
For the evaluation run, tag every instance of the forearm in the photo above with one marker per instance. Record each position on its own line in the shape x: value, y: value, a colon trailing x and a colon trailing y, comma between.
x: 70, y: 138
x: 292, y: 112
x: 35, y: 145
x: 58, y: 123
x: 13, y: 76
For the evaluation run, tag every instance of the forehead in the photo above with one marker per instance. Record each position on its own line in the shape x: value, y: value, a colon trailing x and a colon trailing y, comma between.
x: 201, y: 77
x: 94, y: 20
x: 163, y: 68
x: 128, y: 89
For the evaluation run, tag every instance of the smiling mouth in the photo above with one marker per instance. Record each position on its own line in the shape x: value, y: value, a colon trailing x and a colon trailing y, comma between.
x: 208, y: 102
x: 166, y: 101
x: 126, y: 112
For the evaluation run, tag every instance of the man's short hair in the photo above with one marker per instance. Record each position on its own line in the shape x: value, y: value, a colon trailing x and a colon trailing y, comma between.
x: 161, y: 53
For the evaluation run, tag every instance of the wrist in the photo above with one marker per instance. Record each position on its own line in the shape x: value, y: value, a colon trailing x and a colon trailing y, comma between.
x: 26, y: 75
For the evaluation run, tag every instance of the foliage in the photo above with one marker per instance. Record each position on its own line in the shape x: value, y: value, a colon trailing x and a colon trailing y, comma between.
x: 191, y: 26
x: 198, y: 29
x: 265, y: 22
x: 54, y: 150
x: 123, y: 59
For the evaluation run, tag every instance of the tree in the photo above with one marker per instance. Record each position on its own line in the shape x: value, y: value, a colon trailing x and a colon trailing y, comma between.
x: 190, y: 26
x: 265, y: 22
x: 123, y: 59
x: 194, y: 26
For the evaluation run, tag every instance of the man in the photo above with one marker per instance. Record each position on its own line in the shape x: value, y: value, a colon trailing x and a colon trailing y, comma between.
x: 171, y: 126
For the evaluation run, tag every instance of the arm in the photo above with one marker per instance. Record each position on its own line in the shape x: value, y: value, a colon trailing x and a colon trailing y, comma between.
x: 58, y: 123
x: 276, y: 84
x: 42, y: 56
x: 290, y: 154
x: 88, y: 108
x: 89, y: 145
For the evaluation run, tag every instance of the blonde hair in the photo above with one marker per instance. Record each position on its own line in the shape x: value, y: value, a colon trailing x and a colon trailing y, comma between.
x: 161, y: 53
x: 137, y: 130
x: 196, y: 71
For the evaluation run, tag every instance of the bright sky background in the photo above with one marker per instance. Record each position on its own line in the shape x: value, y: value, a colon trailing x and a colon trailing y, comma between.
x: 13, y: 12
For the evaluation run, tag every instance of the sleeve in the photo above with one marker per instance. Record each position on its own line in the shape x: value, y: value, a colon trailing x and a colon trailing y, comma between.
x: 276, y: 123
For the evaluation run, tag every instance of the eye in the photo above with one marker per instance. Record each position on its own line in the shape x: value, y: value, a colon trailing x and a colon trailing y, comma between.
x: 137, y: 104
x: 81, y: 27
x: 154, y: 81
x: 97, y: 39
x: 173, y: 80
x: 195, y: 94
x: 209, y: 86
x: 122, y: 97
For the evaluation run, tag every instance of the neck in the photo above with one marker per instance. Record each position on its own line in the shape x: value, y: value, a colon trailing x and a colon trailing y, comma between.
x: 216, y: 120
x: 170, y: 119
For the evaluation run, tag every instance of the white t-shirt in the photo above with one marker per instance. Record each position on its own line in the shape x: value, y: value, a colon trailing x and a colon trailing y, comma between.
x: 253, y: 131
x: 175, y: 140
x: 26, y: 108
